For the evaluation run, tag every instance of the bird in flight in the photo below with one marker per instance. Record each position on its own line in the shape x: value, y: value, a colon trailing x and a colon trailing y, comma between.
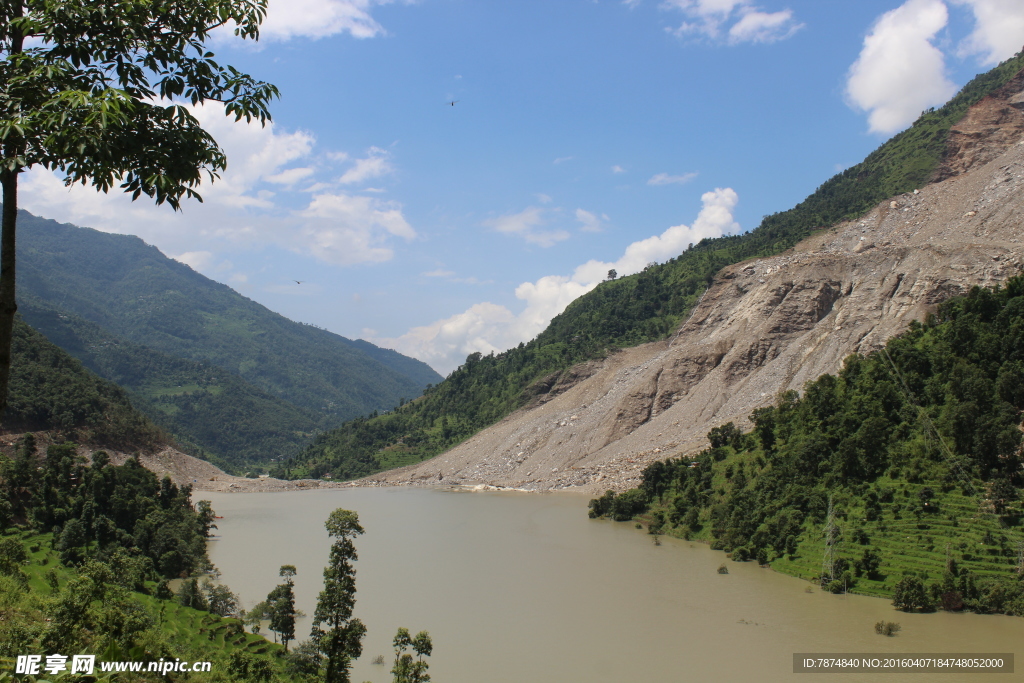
x: 452, y: 103
x: 298, y: 282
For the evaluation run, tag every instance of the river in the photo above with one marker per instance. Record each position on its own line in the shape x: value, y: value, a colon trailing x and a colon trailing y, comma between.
x: 524, y: 588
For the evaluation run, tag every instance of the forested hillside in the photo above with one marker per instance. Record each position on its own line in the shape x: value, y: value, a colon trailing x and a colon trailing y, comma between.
x: 630, y: 310
x: 51, y: 391
x: 916, y: 448
x: 227, y: 376
x: 211, y: 412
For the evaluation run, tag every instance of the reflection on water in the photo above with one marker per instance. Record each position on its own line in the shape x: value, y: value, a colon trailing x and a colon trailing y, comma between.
x: 525, y: 588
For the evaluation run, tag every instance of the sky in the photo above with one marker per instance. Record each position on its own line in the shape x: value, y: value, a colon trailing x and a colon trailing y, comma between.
x: 445, y: 176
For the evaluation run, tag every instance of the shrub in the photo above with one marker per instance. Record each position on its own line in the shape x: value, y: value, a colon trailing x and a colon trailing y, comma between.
x: 887, y: 628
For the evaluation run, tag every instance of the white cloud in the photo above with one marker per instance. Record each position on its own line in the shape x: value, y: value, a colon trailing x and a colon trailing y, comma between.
x: 289, y: 177
x: 287, y: 19
x: 733, y: 21
x: 239, y: 208
x: 590, y: 222
x: 763, y: 27
x: 527, y: 224
x: 998, y: 32
x: 487, y: 327
x: 618, y: 169
x: 440, y: 272
x: 899, y: 73
x: 345, y: 229
x: 196, y: 260
x: 666, y: 179
x: 561, y: 160
x: 375, y: 165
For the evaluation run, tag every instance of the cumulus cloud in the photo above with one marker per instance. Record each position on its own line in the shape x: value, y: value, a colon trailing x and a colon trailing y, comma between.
x: 287, y: 19
x: 253, y: 203
x: 899, y: 73
x: 666, y: 179
x: 487, y: 327
x: 345, y: 229
x: 733, y: 21
x: 618, y: 169
x: 998, y: 31
x: 528, y: 225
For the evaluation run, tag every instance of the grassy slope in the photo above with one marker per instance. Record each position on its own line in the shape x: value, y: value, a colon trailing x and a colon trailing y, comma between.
x: 631, y: 310
x: 191, y: 634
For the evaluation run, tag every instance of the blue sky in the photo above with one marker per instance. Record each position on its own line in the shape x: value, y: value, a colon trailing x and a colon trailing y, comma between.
x: 585, y: 135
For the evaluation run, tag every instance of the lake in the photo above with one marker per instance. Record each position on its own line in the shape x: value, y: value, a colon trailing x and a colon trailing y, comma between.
x: 523, y: 588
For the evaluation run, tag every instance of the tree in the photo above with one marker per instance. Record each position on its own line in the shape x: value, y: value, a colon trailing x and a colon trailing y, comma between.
x: 407, y: 669
x: 94, y: 90
x: 909, y: 594
x: 281, y: 603
x: 612, y: 274
x: 335, y: 633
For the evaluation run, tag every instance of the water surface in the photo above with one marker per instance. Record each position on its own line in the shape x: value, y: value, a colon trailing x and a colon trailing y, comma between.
x: 523, y: 588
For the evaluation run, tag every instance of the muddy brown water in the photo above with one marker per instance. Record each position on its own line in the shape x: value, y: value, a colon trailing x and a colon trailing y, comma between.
x: 524, y: 587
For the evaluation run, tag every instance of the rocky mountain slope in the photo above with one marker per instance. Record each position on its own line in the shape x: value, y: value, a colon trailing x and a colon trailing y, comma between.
x: 768, y: 325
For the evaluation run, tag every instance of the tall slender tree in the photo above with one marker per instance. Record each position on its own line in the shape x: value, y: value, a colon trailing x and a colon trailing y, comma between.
x: 282, y: 610
x: 335, y: 633
x: 96, y: 91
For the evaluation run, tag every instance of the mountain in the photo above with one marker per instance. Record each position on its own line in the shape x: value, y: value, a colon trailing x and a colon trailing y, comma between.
x: 651, y: 305
x: 211, y: 411
x: 223, y: 373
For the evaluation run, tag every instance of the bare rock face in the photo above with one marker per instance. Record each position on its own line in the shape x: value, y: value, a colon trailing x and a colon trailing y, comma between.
x: 766, y: 326
x: 990, y: 127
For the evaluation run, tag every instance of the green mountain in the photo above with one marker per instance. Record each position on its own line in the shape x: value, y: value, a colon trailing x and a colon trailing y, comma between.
x: 224, y: 374
x: 51, y: 391
x: 631, y: 310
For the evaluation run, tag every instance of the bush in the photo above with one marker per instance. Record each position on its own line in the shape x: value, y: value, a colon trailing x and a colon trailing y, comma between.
x: 887, y: 628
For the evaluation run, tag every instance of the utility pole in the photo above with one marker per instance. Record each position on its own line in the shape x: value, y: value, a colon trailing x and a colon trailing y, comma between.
x: 828, y: 561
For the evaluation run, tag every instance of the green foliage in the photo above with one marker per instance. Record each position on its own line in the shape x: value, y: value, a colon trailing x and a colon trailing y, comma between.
x: 281, y: 607
x: 51, y: 391
x: 918, y: 445
x: 338, y: 636
x: 218, y: 370
x: 910, y: 594
x: 626, y: 311
x: 122, y: 515
x: 409, y: 669
x: 211, y: 412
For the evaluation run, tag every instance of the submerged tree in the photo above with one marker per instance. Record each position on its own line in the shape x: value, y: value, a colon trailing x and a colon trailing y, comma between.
x: 94, y: 91
x: 335, y: 633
